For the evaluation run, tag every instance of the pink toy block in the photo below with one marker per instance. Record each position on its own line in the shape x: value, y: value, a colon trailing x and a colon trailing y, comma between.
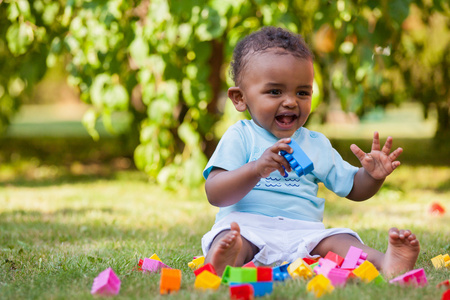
x: 152, y: 265
x: 415, y: 277
x: 106, y: 283
x: 324, y: 267
x: 338, y: 277
x: 354, y: 258
x: 264, y: 274
x: 207, y: 267
x: 250, y: 264
x: 334, y: 257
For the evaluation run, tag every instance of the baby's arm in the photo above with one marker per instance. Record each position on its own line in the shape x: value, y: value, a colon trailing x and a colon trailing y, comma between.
x: 376, y: 166
x: 224, y: 188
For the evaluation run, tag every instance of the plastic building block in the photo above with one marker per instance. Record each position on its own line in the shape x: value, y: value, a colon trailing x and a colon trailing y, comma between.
x: 139, y: 266
x: 415, y: 277
x: 207, y: 267
x: 242, y: 292
x: 152, y: 266
x: 334, y: 257
x: 366, y: 271
x: 250, y: 264
x: 309, y: 261
x: 264, y: 274
x: 207, y: 281
x: 446, y: 295
x: 445, y: 283
x: 106, y: 283
x: 155, y: 257
x: 239, y: 275
x: 197, y: 263
x: 437, y: 209
x: 298, y: 160
x: 379, y: 280
x: 262, y: 288
x: 441, y: 261
x: 354, y: 258
x: 320, y: 285
x: 324, y: 267
x: 338, y: 277
x: 280, y: 273
x: 300, y: 269
x: 170, y: 281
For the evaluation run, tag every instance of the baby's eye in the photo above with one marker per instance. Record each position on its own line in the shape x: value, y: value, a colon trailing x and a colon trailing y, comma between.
x: 275, y: 92
x: 303, y: 93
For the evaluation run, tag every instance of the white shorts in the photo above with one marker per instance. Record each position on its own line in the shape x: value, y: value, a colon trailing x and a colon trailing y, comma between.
x: 278, y: 239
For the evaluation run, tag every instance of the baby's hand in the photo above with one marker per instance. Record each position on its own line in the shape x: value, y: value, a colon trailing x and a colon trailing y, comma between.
x: 378, y: 164
x: 271, y: 160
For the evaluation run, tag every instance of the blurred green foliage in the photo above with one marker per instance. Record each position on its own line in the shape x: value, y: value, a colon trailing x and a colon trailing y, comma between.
x: 164, y: 62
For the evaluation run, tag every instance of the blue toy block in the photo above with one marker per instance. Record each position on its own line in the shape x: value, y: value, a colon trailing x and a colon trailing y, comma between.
x: 298, y: 160
x: 281, y: 273
x: 262, y: 288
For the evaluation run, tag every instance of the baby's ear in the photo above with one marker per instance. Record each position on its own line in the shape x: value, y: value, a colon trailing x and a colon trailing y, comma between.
x: 236, y: 96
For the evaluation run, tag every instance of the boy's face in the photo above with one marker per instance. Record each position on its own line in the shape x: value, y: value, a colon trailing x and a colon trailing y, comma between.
x: 276, y: 88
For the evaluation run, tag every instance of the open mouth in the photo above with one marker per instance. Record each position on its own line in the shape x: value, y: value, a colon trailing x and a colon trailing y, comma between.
x: 285, y: 120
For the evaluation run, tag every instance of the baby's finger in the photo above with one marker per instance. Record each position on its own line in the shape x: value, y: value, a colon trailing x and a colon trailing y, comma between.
x: 376, y: 141
x: 387, y: 146
x: 358, y: 152
x: 395, y: 154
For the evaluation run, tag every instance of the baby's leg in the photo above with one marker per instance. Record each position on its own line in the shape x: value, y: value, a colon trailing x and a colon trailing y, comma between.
x: 230, y: 248
x: 401, y: 254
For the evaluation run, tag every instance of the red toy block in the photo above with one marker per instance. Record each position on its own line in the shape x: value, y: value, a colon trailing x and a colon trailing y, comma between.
x: 437, y: 209
x: 334, y: 257
x: 445, y: 283
x: 250, y: 264
x: 354, y: 258
x: 309, y: 261
x: 207, y: 267
x: 446, y: 295
x: 242, y: 292
x: 170, y: 280
x: 264, y: 274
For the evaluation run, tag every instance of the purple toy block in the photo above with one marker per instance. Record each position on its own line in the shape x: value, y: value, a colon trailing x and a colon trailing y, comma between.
x: 338, y: 277
x: 325, y: 266
x: 152, y: 265
x: 354, y: 258
x: 415, y: 277
x: 298, y: 160
x: 106, y: 283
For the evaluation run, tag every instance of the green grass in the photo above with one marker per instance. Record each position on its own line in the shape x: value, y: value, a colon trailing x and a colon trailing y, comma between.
x: 60, y: 230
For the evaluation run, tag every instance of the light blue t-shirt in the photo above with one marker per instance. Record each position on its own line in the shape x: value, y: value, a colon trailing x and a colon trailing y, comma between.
x: 292, y: 197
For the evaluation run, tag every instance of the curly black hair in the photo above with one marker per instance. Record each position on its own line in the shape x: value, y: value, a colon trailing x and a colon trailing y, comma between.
x: 267, y: 38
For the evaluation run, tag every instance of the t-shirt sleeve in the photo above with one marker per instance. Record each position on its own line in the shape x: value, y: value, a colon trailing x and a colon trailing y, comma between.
x: 231, y: 152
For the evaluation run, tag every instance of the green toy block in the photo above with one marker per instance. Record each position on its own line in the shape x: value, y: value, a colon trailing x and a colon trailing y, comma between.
x: 379, y: 280
x: 239, y: 275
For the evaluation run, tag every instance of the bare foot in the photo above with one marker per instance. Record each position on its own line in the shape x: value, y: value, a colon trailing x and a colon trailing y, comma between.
x: 402, y: 252
x: 225, y: 250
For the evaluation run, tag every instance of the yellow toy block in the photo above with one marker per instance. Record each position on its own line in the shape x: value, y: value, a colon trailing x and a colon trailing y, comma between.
x: 366, y: 271
x: 170, y: 281
x: 197, y: 263
x: 320, y: 285
x: 300, y: 269
x: 441, y: 261
x: 155, y: 257
x: 207, y: 281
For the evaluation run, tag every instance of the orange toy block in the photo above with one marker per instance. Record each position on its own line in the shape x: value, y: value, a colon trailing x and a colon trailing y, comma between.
x: 170, y: 281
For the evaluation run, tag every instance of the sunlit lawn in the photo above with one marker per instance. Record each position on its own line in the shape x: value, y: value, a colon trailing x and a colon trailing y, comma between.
x: 58, y: 234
